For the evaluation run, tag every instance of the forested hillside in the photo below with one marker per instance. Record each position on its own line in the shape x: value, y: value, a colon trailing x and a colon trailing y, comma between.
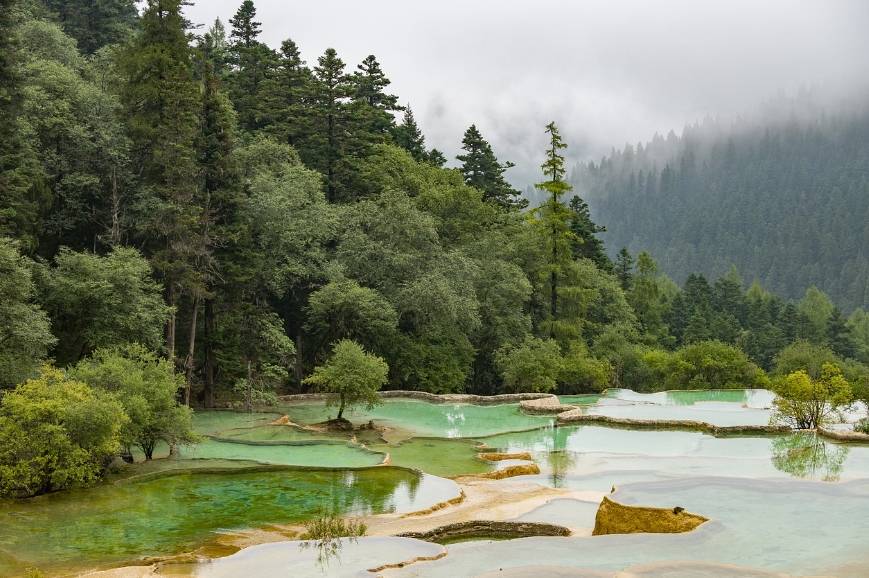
x: 244, y: 217
x: 786, y: 201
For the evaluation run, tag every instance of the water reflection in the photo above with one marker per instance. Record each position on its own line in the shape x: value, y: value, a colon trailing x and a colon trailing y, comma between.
x: 806, y: 455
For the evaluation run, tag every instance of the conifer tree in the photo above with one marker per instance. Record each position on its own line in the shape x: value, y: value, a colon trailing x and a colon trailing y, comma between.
x: 555, y: 226
x: 586, y: 244
x: 839, y: 334
x: 482, y: 170
x: 95, y: 23
x: 374, y: 119
x: 253, y: 63
x: 624, y: 266
x: 331, y: 91
x: 286, y: 97
x: 162, y: 101
x: 408, y: 136
x: 219, y: 195
x: 436, y: 158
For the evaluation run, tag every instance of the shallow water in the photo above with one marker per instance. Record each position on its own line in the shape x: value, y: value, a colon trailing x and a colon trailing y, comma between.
x: 429, y: 419
x: 567, y: 453
x: 293, y: 558
x: 325, y: 455
x: 785, y: 526
x: 440, y: 457
x: 122, y: 522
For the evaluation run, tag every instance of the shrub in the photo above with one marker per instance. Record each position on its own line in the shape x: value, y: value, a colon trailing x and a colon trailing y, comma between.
x: 582, y: 373
x: 532, y: 366
x: 147, y: 386
x: 56, y: 433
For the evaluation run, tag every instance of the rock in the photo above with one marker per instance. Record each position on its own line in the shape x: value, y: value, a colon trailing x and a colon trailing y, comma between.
x: 497, y: 457
x: 615, y: 518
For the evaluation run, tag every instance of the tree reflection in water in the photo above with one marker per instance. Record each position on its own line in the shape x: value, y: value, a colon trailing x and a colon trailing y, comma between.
x: 806, y: 455
x: 328, y: 534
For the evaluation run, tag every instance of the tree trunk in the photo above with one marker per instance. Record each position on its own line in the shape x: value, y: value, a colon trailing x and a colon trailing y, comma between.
x: 299, y: 370
x: 341, y: 407
x: 170, y: 323
x: 247, y: 394
x: 115, y: 234
x: 191, y: 351
x: 210, y: 362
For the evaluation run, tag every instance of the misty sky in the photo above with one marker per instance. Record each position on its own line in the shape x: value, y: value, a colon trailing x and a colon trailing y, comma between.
x: 606, y: 71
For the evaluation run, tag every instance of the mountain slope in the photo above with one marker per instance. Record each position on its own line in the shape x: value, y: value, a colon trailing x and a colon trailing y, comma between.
x: 788, y: 203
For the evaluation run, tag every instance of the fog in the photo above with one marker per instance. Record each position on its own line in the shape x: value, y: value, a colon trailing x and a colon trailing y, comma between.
x: 608, y: 72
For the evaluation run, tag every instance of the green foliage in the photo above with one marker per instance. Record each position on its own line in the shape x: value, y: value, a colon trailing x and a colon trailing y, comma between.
x: 482, y: 170
x: 714, y: 365
x: 351, y: 375
x: 804, y: 356
x: 56, y: 433
x: 95, y: 23
x: 534, y: 365
x: 25, y: 330
x: 344, y: 309
x: 761, y: 196
x: 806, y: 402
x: 582, y: 373
x: 147, y: 388
x: 858, y: 325
x: 97, y: 302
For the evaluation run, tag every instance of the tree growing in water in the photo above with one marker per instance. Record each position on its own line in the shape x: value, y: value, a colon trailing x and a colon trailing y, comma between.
x: 351, y: 376
x: 805, y: 402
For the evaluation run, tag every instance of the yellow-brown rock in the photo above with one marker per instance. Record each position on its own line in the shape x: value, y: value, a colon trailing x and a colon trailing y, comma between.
x: 497, y: 457
x: 615, y: 518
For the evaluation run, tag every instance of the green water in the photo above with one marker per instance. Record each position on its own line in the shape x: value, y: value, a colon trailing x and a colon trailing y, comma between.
x: 429, y: 419
x: 440, y: 457
x: 123, y: 522
x: 276, y: 434
x: 213, y: 422
x: 587, y: 399
x: 324, y: 455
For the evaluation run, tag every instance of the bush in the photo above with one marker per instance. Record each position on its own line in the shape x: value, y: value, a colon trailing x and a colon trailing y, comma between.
x: 56, y: 433
x: 805, y: 356
x: 805, y: 402
x: 532, y: 366
x: 582, y: 373
x: 147, y: 386
x: 713, y: 365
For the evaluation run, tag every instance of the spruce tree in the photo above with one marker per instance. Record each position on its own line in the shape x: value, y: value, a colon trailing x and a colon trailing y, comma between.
x: 95, y: 23
x: 374, y: 119
x: 220, y: 196
x: 436, y: 158
x: 624, y: 266
x: 162, y: 102
x: 286, y: 97
x: 330, y: 94
x: 587, y: 245
x: 253, y: 63
x: 839, y: 334
x: 408, y: 136
x: 482, y: 170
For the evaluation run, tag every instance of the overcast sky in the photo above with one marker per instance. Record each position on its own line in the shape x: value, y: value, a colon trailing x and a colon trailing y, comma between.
x: 607, y: 71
